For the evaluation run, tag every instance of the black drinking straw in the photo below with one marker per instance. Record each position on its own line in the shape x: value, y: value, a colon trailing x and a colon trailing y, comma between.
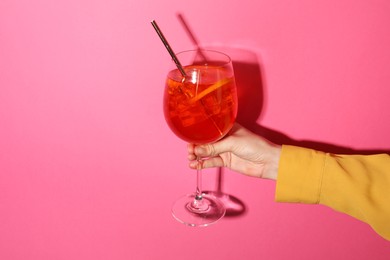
x: 169, y: 49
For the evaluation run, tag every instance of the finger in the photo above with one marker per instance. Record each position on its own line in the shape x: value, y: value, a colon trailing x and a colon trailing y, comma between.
x: 211, y: 150
x: 193, y: 164
x: 190, y: 151
x: 191, y: 157
x: 207, y: 163
x: 213, y: 162
x: 190, y: 148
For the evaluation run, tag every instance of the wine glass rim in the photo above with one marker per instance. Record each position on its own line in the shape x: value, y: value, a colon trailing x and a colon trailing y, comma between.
x: 229, y: 60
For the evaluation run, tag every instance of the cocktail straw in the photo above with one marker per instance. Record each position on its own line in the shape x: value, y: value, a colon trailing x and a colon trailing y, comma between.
x: 168, y: 47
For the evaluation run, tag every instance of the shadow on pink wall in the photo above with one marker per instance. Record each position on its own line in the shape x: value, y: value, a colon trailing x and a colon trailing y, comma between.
x: 250, y: 83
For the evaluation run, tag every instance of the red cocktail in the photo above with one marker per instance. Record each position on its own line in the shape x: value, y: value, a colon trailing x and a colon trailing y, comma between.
x: 200, y: 107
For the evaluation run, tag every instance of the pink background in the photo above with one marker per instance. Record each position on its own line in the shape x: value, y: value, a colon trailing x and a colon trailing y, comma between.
x: 89, y: 169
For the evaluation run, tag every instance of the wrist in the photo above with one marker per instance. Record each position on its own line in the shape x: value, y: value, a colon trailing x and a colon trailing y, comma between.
x: 273, y: 166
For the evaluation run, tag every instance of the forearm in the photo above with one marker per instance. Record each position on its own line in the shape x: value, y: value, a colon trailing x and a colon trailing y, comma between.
x: 353, y: 184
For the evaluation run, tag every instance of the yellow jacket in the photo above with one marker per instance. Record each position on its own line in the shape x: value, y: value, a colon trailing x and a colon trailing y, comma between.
x: 358, y: 185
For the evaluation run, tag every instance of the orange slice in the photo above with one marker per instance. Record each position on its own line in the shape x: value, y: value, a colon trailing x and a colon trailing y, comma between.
x: 210, y: 89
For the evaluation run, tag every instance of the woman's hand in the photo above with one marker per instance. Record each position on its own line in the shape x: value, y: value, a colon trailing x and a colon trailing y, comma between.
x: 241, y: 151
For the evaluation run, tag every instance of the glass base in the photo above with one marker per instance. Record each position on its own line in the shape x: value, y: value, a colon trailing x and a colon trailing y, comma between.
x: 198, y: 212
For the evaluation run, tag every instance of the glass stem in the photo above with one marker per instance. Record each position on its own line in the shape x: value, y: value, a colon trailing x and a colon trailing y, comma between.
x: 198, y: 192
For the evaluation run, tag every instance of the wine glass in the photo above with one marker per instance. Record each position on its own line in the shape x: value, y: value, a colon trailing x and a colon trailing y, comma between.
x: 200, y: 107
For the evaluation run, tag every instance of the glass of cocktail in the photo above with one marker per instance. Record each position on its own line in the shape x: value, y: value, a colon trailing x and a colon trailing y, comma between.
x: 200, y: 107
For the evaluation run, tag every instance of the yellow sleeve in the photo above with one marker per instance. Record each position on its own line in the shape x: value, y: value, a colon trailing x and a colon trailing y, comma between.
x: 358, y: 185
